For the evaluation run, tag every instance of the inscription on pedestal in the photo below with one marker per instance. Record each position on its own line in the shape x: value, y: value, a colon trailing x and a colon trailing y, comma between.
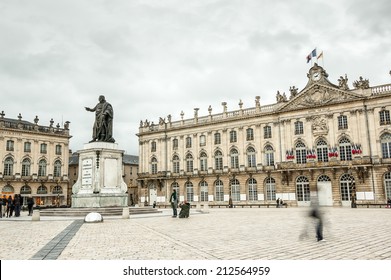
x: 86, y: 174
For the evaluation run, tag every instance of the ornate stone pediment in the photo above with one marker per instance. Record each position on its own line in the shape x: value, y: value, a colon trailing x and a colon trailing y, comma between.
x: 317, y: 95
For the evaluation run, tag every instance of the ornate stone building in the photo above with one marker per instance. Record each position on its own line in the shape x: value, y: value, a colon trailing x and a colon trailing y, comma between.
x: 34, y: 160
x: 326, y: 141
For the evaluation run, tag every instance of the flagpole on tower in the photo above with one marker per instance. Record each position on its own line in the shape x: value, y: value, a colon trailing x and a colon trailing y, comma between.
x: 320, y: 56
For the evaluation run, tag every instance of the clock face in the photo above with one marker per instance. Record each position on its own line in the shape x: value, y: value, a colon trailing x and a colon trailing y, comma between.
x: 316, y: 76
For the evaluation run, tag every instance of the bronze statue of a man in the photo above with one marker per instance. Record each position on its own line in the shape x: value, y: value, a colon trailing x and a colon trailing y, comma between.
x: 103, y: 125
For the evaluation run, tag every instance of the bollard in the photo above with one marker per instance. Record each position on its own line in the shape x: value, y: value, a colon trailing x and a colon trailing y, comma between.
x: 125, y: 213
x: 36, y: 216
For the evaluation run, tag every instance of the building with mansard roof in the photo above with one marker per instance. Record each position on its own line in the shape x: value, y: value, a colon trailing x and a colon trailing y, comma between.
x: 34, y: 160
x: 327, y: 141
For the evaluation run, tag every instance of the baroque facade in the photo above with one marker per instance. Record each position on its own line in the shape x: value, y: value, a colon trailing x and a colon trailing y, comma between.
x: 34, y: 160
x: 326, y: 141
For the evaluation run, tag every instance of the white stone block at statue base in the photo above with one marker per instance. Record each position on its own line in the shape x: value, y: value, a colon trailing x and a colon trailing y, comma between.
x: 93, y: 217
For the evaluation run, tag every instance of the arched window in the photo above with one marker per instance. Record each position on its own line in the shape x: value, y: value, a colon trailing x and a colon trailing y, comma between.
x: 345, y: 149
x: 303, y: 189
x: 57, y: 190
x: 219, y: 189
x: 251, y: 159
x: 204, y: 191
x: 322, y: 151
x: 218, y: 160
x: 203, y: 162
x: 234, y: 158
x: 175, y: 164
x: 154, y: 165
x: 269, y: 155
x: 189, y: 163
x: 387, y: 184
x: 42, y: 168
x: 189, y: 191
x: 8, y: 189
x: 347, y: 185
x: 324, y: 178
x: 385, y: 141
x: 235, y: 190
x: 8, y: 166
x: 42, y: 190
x: 270, y: 185
x: 57, y: 168
x: 301, y: 153
x: 26, y: 167
x: 25, y: 190
x: 252, y: 189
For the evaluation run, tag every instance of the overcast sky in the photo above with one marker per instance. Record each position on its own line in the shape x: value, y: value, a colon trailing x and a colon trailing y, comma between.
x: 152, y: 58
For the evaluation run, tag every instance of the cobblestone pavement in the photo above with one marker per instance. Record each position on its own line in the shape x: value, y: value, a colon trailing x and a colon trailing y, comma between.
x: 219, y: 234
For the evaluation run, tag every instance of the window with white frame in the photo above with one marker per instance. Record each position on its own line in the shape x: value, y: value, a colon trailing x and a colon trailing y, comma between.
x: 235, y: 190
x: 384, y: 117
x: 204, y: 191
x: 44, y: 148
x: 322, y: 151
x: 301, y: 153
x: 345, y: 149
x: 252, y: 189
x: 26, y: 167
x: 270, y: 185
x: 249, y: 134
x: 387, y: 184
x: 347, y: 185
x: 42, y: 167
x: 58, y: 149
x: 203, y: 162
x: 8, y: 166
x: 267, y: 132
x: 175, y: 164
x: 234, y: 158
x: 57, y: 168
x: 189, y: 163
x: 269, y: 155
x: 202, y: 140
x: 217, y: 137
x: 188, y: 142
x: 385, y: 141
x: 10, y: 145
x: 189, y: 191
x: 218, y: 160
x: 154, y: 165
x: 233, y: 136
x: 251, y: 158
x: 175, y: 144
x: 153, y: 146
x: 303, y: 189
x: 299, y: 128
x: 27, y: 147
x: 342, y: 122
x: 219, y: 189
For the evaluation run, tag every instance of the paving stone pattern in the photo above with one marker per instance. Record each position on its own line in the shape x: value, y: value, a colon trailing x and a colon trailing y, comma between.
x: 220, y: 234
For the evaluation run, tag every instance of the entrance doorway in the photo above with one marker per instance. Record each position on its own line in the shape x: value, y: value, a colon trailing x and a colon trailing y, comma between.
x: 325, y: 194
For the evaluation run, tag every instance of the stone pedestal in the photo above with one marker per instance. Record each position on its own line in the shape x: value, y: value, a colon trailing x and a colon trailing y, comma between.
x: 100, y: 182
